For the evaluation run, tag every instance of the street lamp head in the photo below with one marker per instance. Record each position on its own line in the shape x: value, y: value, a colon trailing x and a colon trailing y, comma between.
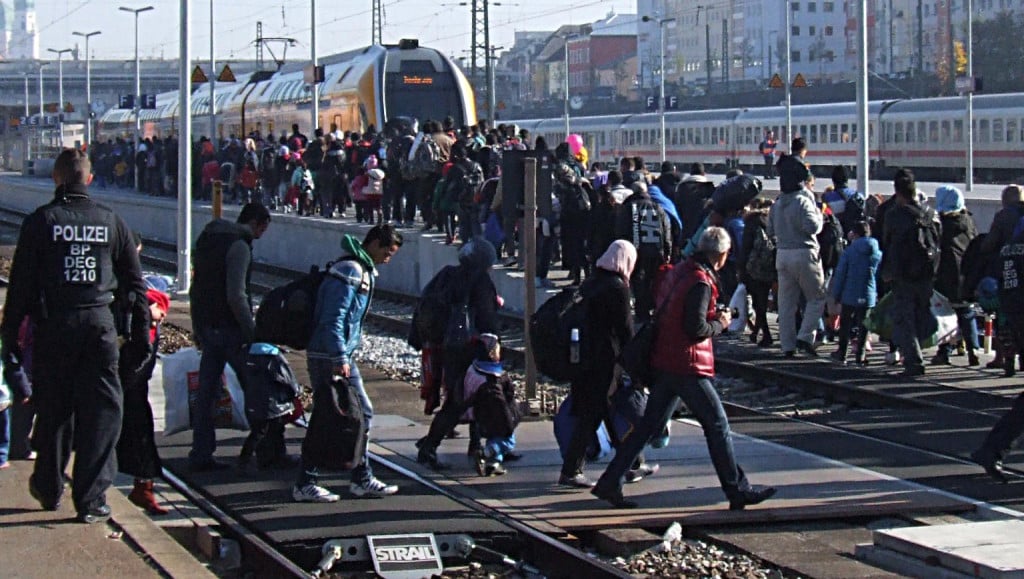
x: 60, y: 52
x: 136, y: 11
x: 86, y: 34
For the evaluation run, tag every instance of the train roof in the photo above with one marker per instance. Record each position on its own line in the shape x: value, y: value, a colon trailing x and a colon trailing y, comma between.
x: 848, y: 109
x: 951, y: 104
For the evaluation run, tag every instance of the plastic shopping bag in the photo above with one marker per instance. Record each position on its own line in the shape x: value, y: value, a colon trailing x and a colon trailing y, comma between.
x: 181, y: 387
x: 942, y: 329
x: 738, y: 307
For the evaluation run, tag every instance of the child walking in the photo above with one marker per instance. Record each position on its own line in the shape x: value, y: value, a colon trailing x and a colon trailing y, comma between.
x: 853, y: 286
x: 490, y: 395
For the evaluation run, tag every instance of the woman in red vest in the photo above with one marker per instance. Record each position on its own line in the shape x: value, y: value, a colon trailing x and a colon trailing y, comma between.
x: 684, y: 362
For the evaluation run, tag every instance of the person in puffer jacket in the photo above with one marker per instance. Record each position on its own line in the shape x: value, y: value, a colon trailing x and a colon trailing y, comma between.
x: 853, y: 286
x: 342, y: 302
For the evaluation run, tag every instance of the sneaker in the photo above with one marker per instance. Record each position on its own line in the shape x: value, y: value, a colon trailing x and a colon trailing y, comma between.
x: 645, y: 470
x: 373, y: 488
x: 495, y: 469
x: 838, y: 358
x: 807, y: 348
x: 892, y: 358
x: 576, y: 481
x: 311, y: 493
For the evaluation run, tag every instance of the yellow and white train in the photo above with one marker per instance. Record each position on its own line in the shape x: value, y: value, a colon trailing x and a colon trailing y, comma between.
x: 364, y: 87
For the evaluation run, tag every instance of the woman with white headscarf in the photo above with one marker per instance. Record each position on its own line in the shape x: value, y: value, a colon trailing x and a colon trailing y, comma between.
x: 606, y: 295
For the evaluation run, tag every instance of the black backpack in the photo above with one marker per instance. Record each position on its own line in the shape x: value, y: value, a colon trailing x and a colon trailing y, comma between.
x: 435, y: 319
x: 761, y: 261
x: 270, y: 384
x: 494, y: 414
x: 921, y: 248
x: 469, y: 185
x: 551, y: 332
x: 831, y: 242
x: 856, y: 209
x: 285, y: 317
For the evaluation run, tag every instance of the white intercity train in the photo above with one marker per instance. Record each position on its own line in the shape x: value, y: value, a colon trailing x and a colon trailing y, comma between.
x: 926, y: 135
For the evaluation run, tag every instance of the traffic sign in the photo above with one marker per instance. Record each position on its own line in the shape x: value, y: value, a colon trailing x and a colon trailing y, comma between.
x: 651, y: 103
x: 148, y: 101
x: 226, y: 75
x: 126, y: 101
x: 799, y: 81
x: 198, y: 76
x: 776, y: 82
x: 671, y: 103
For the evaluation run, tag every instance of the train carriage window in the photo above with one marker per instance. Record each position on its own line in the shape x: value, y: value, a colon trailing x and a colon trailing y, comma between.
x: 897, y: 133
x: 714, y: 135
x: 922, y: 132
x: 814, y: 135
x: 910, y: 133
x: 689, y: 137
x: 844, y: 133
x: 706, y: 135
x: 983, y: 131
x: 674, y: 136
x: 1011, y: 130
x: 833, y: 134
x: 958, y: 131
x: 823, y: 133
x: 997, y: 131
x: 933, y: 132
x: 853, y: 133
x: 802, y: 131
x: 945, y: 132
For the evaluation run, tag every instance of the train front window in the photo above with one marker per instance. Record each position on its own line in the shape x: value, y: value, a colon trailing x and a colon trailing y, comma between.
x: 417, y: 89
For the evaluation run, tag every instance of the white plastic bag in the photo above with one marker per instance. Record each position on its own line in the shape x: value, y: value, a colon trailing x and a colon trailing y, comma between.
x: 948, y: 331
x: 738, y: 308
x: 181, y: 384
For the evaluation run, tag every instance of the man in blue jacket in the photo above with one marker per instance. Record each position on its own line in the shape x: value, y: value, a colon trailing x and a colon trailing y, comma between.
x: 342, y: 302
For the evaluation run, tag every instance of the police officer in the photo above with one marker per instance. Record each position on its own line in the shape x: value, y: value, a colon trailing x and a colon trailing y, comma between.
x: 72, y: 255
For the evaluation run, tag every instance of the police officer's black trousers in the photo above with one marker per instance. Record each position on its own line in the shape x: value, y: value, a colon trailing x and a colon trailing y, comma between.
x: 76, y: 388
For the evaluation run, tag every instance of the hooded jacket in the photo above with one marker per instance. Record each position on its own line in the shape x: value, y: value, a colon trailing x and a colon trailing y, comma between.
x: 220, y: 289
x: 691, y: 195
x: 853, y: 282
x: 341, y: 305
x: 795, y: 221
x: 958, y: 230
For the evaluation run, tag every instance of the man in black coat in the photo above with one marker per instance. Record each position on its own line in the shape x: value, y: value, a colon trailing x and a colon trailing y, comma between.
x: 691, y: 198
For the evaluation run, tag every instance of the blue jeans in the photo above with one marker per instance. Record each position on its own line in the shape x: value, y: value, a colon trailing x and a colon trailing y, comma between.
x: 320, y: 372
x: 497, y: 447
x: 700, y: 396
x: 5, y: 435
x: 220, y: 346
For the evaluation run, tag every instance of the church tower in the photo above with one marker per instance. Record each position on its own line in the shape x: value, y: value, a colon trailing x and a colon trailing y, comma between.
x: 24, y: 35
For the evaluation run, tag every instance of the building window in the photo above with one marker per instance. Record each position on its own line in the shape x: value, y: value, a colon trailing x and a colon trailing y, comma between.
x: 812, y: 7
x: 828, y: 31
x: 812, y: 30
x: 795, y: 56
x: 796, y: 6
x: 828, y: 6
x: 795, y: 31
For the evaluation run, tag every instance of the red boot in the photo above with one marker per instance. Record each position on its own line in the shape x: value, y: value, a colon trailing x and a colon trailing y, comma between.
x: 142, y: 495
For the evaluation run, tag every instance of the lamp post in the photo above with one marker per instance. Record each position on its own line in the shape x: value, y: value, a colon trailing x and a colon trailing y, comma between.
x: 135, y: 108
x: 213, y: 83
x: 60, y: 78
x: 661, y: 90
x: 88, y: 86
x: 567, y: 39
x: 42, y: 111
x: 789, y: 76
x: 314, y: 108
x: 969, y: 179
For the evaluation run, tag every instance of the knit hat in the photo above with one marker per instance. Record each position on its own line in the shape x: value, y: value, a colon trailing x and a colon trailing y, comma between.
x: 478, y: 253
x: 948, y: 199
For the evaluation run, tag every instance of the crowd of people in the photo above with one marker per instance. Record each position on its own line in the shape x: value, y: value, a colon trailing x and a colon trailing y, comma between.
x: 664, y: 251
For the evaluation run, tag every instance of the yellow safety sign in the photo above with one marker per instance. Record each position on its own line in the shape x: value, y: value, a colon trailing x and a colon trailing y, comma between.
x: 799, y: 81
x: 775, y: 82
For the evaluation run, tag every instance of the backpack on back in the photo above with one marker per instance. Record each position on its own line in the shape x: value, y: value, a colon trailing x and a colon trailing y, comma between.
x: 922, y: 247
x: 434, y: 310
x: 761, y: 261
x: 551, y: 330
x: 831, y: 242
x: 469, y: 185
x: 285, y: 317
x: 427, y: 158
x: 856, y: 209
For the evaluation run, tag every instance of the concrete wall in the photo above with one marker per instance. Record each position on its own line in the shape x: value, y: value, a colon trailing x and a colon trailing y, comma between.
x: 296, y: 243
